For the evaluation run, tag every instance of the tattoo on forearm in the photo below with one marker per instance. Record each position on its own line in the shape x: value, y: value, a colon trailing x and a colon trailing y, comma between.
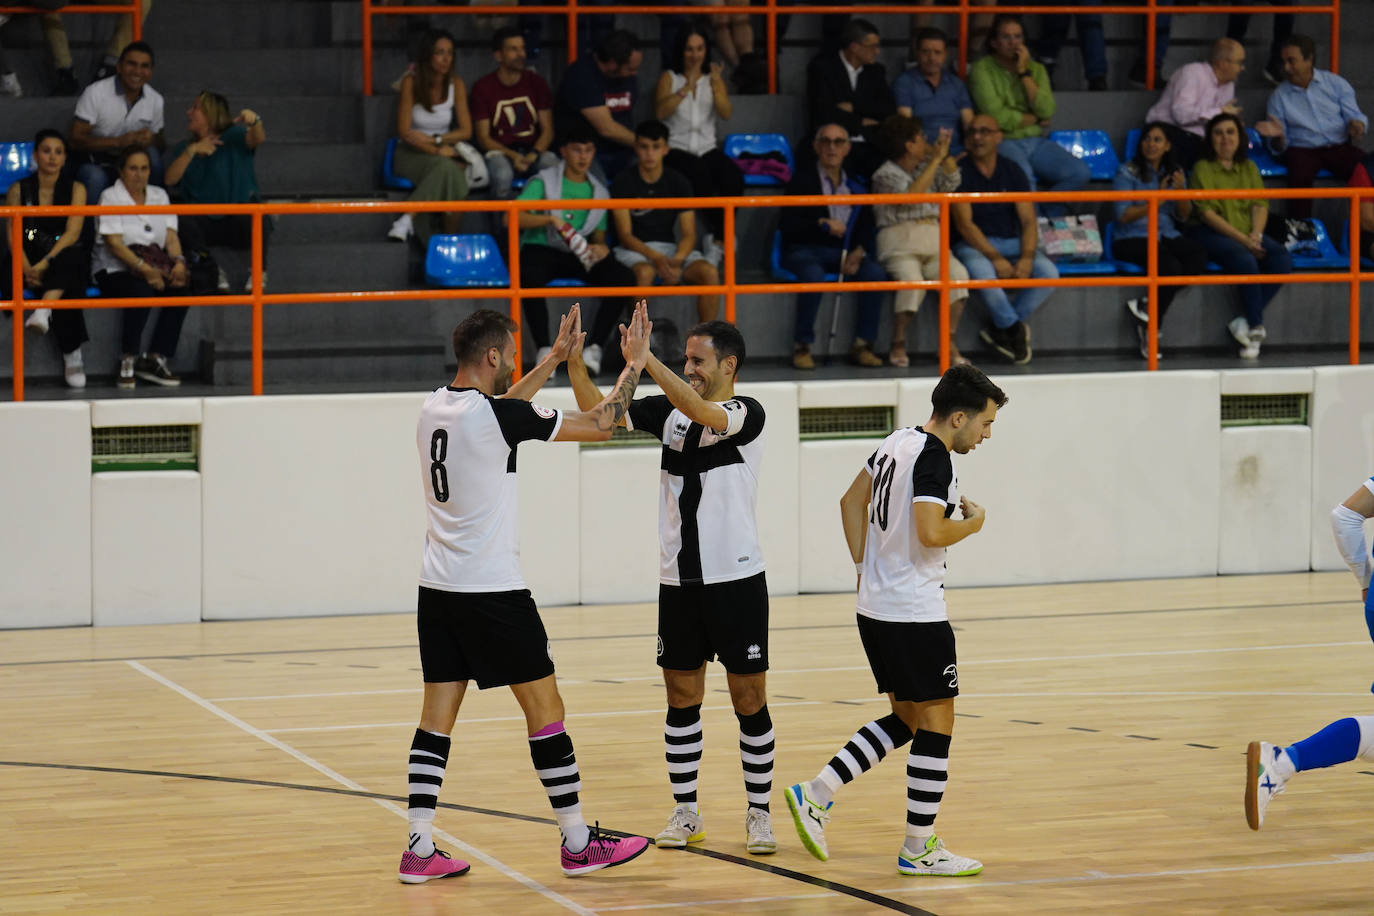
x: 613, y: 409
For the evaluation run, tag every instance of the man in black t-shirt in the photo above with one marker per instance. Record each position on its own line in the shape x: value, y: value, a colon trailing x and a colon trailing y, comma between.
x: 658, y: 243
x: 599, y: 92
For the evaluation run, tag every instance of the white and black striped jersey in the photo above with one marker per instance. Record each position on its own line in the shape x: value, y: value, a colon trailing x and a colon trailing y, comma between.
x: 466, y: 442
x: 709, y: 488
x: 901, y: 580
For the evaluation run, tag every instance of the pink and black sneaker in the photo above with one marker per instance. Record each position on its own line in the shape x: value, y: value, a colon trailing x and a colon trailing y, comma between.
x: 602, y: 852
x: 419, y: 869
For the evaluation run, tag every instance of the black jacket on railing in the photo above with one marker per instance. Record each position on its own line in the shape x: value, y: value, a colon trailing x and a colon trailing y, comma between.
x: 801, y: 225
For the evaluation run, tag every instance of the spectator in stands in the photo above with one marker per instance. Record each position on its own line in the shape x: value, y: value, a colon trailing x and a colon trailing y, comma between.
x: 570, y: 244
x: 660, y: 244
x: 1196, y: 93
x: 1091, y: 42
x: 431, y: 120
x: 1236, y: 26
x: 909, y: 234
x: 512, y: 111
x: 1232, y: 229
x: 931, y: 94
x: 734, y: 34
x: 691, y: 94
x: 54, y: 261
x: 1014, y: 90
x: 1361, y: 178
x: 599, y: 93
x: 978, y: 25
x: 119, y: 40
x: 991, y: 234
x: 851, y: 89
x: 65, y: 81
x: 115, y: 113
x: 1313, y: 121
x: 1153, y: 167
x: 215, y: 166
x: 139, y: 256
x: 830, y: 239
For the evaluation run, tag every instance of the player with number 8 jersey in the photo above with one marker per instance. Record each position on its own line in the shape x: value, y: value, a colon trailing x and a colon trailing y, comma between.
x: 898, y: 518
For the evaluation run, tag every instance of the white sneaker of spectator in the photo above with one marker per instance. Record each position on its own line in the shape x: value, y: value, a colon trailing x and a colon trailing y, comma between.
x: 591, y: 358
x: 222, y: 281
x: 9, y: 86
x: 73, y: 369
x: 402, y: 229
x: 39, y: 320
x: 248, y: 284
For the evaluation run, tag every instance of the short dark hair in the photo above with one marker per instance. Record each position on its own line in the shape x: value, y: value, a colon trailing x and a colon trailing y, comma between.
x: 578, y: 133
x: 652, y: 130
x: 929, y: 33
x: 726, y: 340
x: 617, y: 47
x: 679, y: 50
x: 894, y: 134
x: 138, y: 46
x: 478, y: 333
x: 48, y: 133
x: 855, y: 31
x: 501, y: 36
x: 127, y: 153
x: 998, y: 21
x: 1210, y: 152
x: 964, y: 388
x: 1167, y: 165
x: 1305, y: 45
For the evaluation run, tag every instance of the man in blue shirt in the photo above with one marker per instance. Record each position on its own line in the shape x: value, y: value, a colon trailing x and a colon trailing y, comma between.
x: 1313, y: 121
x: 1000, y: 240
x: 933, y: 95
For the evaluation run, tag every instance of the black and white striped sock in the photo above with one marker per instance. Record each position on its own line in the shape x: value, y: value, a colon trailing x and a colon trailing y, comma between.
x: 869, y: 745
x: 428, y: 757
x: 682, y: 750
x: 556, y: 765
x: 756, y: 756
x: 927, y: 770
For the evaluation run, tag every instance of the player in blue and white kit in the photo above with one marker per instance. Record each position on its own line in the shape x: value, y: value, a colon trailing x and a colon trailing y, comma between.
x: 1268, y: 767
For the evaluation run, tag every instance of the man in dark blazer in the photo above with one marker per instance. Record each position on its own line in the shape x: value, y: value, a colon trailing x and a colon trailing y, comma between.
x: 850, y: 88
x: 828, y: 240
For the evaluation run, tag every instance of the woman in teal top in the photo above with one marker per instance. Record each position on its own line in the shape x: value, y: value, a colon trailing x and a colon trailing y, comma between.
x: 1232, y: 230
x: 215, y: 166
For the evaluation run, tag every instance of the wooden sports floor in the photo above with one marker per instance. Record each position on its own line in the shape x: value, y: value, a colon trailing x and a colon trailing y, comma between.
x: 259, y: 767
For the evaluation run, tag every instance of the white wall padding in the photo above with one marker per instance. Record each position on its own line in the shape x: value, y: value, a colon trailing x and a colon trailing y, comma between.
x: 45, y: 514
x: 827, y: 469
x: 1095, y: 476
x: 145, y: 547
x: 1342, y: 421
x: 778, y: 512
x: 1266, y: 496
x: 550, y: 549
x: 312, y: 505
x: 619, y: 524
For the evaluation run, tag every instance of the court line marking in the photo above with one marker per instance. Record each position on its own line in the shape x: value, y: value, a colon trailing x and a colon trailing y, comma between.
x: 342, y: 780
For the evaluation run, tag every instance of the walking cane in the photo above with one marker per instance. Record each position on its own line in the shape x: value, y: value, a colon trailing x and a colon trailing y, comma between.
x: 839, y: 278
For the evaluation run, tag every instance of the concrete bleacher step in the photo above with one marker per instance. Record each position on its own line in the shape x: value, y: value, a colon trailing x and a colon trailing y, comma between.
x: 333, y: 227
x: 223, y: 24
x: 287, y: 118
x: 261, y: 71
x: 334, y: 266
x: 336, y: 169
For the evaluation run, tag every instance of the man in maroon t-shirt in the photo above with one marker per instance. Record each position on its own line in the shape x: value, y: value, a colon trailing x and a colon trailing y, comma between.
x: 512, y: 112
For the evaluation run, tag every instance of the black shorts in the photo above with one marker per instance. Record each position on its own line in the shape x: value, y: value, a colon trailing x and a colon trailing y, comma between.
x: 729, y: 620
x: 494, y: 638
x: 911, y: 661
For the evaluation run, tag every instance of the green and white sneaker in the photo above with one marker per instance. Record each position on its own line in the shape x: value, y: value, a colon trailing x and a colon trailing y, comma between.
x: 684, y: 826
x: 935, y: 859
x: 758, y: 830
x: 1265, y: 777
x: 810, y: 818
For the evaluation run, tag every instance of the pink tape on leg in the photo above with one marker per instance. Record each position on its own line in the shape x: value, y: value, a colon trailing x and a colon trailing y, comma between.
x: 552, y: 728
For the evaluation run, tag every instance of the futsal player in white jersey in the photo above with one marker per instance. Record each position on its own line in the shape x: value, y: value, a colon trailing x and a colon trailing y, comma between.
x: 898, y: 518
x: 1268, y: 767
x: 712, y: 596
x: 476, y: 619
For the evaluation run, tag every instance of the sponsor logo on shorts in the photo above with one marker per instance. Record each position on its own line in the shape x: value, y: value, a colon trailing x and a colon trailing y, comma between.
x: 952, y: 672
x: 544, y: 412
x: 755, y: 652
x: 660, y: 647
x: 548, y: 647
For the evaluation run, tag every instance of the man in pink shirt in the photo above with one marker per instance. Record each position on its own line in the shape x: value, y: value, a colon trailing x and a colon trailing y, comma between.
x: 1196, y: 93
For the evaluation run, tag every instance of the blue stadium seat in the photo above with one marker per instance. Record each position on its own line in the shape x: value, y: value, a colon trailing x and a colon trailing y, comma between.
x: 16, y: 162
x: 1094, y: 147
x: 782, y: 274
x: 390, y: 179
x: 465, y: 260
x: 1102, y: 268
x: 1122, y: 267
x: 737, y: 144
x: 92, y: 292
x: 1326, y: 258
x: 1132, y: 144
x: 570, y: 281
x: 1268, y: 166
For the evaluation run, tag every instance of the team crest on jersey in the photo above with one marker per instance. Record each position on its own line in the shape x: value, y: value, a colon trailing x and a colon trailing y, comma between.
x: 754, y: 652
x: 544, y: 412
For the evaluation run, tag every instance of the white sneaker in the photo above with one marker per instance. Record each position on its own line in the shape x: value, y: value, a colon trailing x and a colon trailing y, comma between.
x: 1258, y: 334
x: 74, y: 369
x: 1267, y: 770
x: 39, y: 320
x: 684, y: 826
x: 542, y: 354
x: 9, y: 86
x: 591, y: 357
x: 248, y: 284
x: 758, y: 831
x: 810, y: 818
x: 222, y: 281
x: 935, y: 859
x: 1240, y: 330
x: 402, y: 229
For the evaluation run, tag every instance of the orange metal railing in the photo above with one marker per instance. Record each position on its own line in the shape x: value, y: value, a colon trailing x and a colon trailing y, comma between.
x: 730, y: 286
x: 1150, y: 9
x: 132, y: 9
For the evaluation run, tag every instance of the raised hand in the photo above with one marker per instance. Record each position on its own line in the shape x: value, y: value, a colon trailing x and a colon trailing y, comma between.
x: 569, y: 334
x: 634, y: 340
